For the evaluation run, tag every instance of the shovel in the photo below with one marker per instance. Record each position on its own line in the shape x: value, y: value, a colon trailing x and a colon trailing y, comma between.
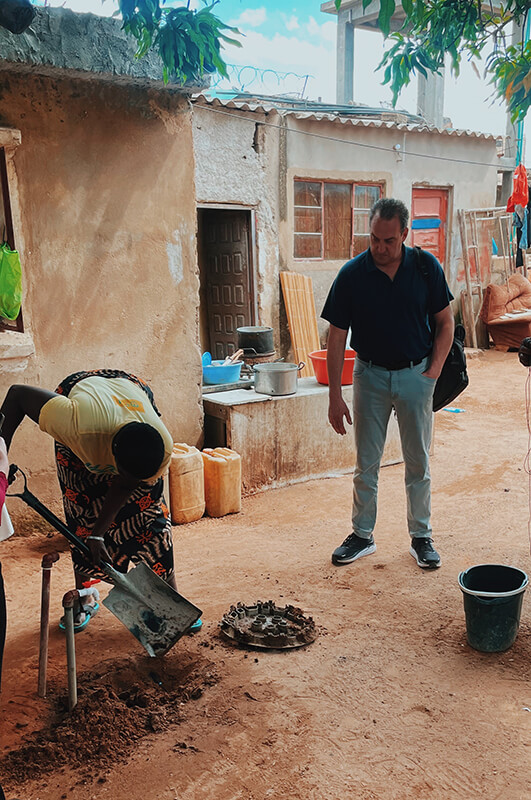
x: 149, y: 608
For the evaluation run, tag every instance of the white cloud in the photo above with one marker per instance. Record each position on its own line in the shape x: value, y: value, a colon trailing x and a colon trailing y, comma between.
x: 102, y: 9
x: 251, y: 17
x: 324, y: 30
x: 290, y: 23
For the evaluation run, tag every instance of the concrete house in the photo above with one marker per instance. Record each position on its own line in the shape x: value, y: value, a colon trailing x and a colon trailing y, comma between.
x: 97, y: 194
x: 298, y: 179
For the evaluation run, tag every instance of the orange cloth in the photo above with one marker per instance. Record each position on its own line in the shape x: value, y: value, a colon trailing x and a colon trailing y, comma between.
x: 520, y: 195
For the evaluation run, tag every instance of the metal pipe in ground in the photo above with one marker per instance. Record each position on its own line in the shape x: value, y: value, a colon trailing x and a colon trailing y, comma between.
x: 68, y: 604
x: 47, y: 562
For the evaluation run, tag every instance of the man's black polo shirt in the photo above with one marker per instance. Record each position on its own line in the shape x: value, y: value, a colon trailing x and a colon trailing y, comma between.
x: 389, y: 319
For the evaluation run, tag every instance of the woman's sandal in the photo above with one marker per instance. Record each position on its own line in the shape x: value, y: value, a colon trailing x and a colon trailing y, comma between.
x: 198, y: 624
x: 89, y: 612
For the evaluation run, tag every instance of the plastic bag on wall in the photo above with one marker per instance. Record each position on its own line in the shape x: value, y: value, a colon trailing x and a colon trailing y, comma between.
x: 10, y: 282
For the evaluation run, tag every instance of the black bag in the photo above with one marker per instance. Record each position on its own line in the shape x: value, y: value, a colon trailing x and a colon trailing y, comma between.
x: 453, y: 378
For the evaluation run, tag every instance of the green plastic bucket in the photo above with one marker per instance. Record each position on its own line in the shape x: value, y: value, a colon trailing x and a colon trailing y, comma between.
x: 492, y: 595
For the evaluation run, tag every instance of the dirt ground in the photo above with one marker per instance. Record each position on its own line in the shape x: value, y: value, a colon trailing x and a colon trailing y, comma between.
x: 388, y: 703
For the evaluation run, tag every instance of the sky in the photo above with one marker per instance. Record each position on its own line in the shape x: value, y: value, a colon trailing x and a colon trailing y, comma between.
x: 296, y: 43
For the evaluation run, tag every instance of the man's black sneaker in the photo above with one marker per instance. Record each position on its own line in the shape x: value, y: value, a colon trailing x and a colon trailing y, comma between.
x: 352, y: 548
x: 424, y: 553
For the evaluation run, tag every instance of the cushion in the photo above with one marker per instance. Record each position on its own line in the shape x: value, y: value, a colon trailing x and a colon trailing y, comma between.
x: 514, y: 295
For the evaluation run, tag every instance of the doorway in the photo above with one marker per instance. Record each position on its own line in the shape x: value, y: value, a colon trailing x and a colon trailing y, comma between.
x: 227, y: 297
x: 429, y: 215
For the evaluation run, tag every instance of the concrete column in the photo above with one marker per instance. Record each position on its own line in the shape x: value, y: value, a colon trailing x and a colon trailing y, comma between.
x: 511, y: 139
x: 507, y: 187
x: 345, y: 59
x: 511, y: 132
x: 430, y: 98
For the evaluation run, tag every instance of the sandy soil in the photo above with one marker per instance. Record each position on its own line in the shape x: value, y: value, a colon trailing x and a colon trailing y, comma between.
x: 388, y: 703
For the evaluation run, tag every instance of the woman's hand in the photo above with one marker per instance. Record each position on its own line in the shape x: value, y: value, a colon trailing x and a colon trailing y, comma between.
x: 98, y: 551
x: 120, y: 490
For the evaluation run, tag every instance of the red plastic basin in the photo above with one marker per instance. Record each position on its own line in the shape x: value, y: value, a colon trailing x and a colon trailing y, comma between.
x: 318, y: 359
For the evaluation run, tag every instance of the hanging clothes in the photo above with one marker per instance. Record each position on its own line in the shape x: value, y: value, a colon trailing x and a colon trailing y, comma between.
x: 517, y: 203
x: 520, y: 195
x: 524, y: 239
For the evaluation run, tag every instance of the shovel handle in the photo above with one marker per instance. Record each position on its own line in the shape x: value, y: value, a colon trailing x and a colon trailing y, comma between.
x: 115, y: 577
x: 34, y: 503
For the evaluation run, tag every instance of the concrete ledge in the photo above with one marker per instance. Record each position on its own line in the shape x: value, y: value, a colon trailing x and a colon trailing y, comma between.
x: 10, y: 137
x: 83, y: 45
x: 15, y: 350
x: 288, y: 439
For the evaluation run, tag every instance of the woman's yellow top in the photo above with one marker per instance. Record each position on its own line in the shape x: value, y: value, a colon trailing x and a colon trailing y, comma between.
x: 87, y: 420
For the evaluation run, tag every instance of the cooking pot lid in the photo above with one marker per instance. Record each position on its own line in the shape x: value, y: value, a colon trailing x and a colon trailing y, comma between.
x: 275, y: 367
x: 253, y: 329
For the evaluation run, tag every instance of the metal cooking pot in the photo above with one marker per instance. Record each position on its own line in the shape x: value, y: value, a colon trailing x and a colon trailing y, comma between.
x: 276, y: 378
x: 255, y: 340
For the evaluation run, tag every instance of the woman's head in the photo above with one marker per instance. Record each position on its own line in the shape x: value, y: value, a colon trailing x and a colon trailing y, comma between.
x: 138, y: 450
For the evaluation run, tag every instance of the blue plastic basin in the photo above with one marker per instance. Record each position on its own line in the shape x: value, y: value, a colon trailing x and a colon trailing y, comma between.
x: 218, y: 372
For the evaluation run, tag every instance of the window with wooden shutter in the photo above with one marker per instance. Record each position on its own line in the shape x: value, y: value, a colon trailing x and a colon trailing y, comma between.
x: 308, y: 219
x: 332, y: 219
x: 337, y: 216
x: 365, y: 196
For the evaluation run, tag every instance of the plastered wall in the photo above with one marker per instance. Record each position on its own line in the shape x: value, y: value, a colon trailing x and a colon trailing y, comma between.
x: 102, y: 189
x: 236, y: 158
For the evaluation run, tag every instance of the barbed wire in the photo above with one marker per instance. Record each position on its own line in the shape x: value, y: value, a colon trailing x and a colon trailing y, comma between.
x: 243, y: 77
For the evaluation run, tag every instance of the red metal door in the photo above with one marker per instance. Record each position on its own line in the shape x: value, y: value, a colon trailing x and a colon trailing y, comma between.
x: 429, y: 211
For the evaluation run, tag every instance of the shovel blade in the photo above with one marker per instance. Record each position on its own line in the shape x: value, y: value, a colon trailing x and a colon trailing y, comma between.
x: 151, y: 610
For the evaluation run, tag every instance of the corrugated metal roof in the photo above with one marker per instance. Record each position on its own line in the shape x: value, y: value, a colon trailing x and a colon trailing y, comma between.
x: 359, y: 116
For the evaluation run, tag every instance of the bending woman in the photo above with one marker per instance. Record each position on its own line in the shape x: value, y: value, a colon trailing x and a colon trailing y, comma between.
x: 111, y: 450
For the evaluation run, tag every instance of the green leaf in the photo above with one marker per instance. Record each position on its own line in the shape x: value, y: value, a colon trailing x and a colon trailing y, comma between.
x: 387, y: 8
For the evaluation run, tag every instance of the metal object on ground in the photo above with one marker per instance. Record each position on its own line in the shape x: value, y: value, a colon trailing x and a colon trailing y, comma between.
x: 266, y: 625
x: 69, y: 600
x: 48, y: 561
x: 149, y: 608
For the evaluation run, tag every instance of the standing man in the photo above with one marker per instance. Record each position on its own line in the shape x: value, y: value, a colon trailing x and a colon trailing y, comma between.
x: 387, y: 302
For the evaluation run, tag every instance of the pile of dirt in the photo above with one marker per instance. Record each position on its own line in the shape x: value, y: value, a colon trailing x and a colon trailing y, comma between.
x: 119, y: 703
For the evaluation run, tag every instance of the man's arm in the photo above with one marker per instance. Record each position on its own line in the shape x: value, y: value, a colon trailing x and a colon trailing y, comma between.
x: 442, y: 342
x: 338, y: 410
x: 22, y: 401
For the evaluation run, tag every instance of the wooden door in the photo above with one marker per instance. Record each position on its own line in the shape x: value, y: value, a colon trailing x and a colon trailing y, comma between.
x: 429, y: 212
x: 227, y: 276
